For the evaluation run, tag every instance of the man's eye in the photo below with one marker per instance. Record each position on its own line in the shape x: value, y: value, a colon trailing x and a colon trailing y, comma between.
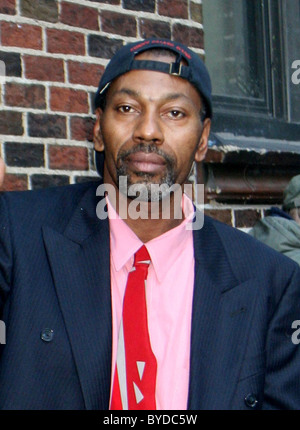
x: 177, y: 114
x: 125, y: 109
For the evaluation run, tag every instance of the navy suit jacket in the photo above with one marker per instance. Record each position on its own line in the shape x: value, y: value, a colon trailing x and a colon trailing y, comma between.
x: 55, y: 301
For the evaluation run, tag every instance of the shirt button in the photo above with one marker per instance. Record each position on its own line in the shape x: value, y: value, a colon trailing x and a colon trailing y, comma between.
x: 47, y: 334
x: 251, y: 400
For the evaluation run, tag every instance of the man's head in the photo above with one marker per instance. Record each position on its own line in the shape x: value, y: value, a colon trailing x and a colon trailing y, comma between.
x: 185, y: 64
x: 153, y: 124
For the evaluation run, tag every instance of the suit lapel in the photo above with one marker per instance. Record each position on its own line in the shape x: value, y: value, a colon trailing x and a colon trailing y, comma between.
x: 221, y: 317
x: 80, y: 264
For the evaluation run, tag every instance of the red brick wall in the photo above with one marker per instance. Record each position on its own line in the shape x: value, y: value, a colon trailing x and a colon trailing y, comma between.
x: 55, y: 52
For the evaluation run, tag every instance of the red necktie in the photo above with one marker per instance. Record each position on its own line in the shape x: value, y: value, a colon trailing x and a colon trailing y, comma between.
x: 136, y: 367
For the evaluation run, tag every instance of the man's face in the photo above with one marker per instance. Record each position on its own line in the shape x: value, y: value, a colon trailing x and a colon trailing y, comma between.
x: 151, y: 128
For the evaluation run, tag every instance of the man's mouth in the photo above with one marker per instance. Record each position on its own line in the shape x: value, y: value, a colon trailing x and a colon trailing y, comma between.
x: 145, y: 162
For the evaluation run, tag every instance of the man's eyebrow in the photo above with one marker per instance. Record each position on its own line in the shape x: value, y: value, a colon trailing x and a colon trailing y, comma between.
x: 175, y: 96
x: 127, y: 91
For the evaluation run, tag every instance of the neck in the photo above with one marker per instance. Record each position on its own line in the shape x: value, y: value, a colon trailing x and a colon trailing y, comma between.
x: 150, y: 219
x: 148, y: 229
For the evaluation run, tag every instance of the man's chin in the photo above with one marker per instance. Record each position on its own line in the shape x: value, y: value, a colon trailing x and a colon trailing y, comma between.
x: 148, y: 191
x: 145, y: 186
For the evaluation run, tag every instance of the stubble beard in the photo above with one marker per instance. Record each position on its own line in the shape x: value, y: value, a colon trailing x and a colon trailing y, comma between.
x: 147, y: 180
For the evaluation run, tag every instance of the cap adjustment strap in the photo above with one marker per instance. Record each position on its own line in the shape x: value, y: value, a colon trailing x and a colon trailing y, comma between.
x: 176, y: 69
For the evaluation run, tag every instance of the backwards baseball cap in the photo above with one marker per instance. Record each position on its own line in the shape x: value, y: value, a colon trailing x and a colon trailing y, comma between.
x: 124, y: 61
x: 291, y: 195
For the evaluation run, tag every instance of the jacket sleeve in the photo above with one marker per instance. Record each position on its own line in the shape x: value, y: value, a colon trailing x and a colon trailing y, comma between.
x: 5, y: 253
x: 282, y: 382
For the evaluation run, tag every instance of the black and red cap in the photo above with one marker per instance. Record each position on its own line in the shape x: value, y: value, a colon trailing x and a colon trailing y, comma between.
x: 124, y: 61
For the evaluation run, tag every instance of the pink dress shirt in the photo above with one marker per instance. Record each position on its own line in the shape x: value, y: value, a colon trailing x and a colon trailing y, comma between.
x: 169, y: 301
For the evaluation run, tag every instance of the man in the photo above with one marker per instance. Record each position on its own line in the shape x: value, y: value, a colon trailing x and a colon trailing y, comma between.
x: 280, y: 229
x: 219, y: 305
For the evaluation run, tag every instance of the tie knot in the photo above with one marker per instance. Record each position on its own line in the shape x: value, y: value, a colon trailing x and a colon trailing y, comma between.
x: 142, y: 256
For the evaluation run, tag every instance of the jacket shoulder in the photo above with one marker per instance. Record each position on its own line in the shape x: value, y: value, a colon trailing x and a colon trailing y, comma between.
x: 45, y: 205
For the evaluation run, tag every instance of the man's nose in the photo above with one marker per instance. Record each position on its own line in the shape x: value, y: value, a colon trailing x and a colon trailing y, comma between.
x: 148, y: 129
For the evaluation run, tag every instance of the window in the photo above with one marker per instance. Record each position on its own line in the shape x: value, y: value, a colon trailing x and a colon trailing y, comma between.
x: 231, y: 43
x: 250, y: 47
x: 291, y: 13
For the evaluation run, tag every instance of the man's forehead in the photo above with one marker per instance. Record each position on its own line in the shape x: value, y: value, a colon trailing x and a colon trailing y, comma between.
x: 154, y: 86
x: 165, y: 57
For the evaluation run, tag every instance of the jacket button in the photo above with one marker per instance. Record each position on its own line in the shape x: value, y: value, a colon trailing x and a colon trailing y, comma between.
x: 47, y: 334
x: 251, y: 400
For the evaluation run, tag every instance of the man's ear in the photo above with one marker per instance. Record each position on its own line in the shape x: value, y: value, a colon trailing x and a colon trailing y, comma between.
x: 97, y: 137
x: 203, y: 143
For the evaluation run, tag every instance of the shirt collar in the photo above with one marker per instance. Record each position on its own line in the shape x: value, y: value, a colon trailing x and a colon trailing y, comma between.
x: 163, y: 250
x: 124, y: 242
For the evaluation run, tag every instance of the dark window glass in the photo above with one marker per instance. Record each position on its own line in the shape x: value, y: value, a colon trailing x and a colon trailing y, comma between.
x: 234, y: 50
x: 291, y: 15
x: 252, y: 51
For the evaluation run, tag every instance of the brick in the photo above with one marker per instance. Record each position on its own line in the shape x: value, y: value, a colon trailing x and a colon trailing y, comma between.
x: 44, y: 10
x: 68, y: 100
x: 68, y: 158
x: 82, y: 179
x: 8, y: 7
x: 13, y: 182
x: 103, y: 47
x: 139, y: 5
x: 174, y: 8
x: 12, y: 62
x: 44, y: 68
x: 223, y: 215
x: 153, y: 28
x: 19, y: 95
x: 246, y: 218
x: 84, y: 73
x: 39, y: 181
x: 46, y: 125
x: 11, y: 123
x: 190, y: 36
x: 113, y: 22
x: 82, y: 128
x: 24, y: 154
x: 21, y: 35
x: 79, y: 16
x: 196, y: 12
x: 65, y: 42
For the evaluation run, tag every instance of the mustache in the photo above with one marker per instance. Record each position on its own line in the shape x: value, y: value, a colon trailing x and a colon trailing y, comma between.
x: 147, y: 149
